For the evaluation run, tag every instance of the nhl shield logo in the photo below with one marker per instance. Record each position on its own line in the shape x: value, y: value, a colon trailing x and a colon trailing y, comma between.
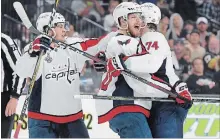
x: 48, y: 58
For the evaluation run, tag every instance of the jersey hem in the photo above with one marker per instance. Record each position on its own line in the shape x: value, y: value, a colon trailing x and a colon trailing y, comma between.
x: 56, y: 119
x: 121, y: 109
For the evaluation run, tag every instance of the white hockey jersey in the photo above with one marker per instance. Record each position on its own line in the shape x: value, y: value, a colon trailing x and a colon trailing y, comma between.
x: 57, y: 81
x: 157, y: 61
x: 117, y: 86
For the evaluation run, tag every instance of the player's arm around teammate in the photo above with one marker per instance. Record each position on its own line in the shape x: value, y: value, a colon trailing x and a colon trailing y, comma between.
x: 158, y: 61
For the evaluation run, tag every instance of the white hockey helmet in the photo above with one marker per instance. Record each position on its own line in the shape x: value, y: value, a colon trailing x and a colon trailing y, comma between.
x: 44, y: 19
x: 151, y: 13
x: 123, y: 9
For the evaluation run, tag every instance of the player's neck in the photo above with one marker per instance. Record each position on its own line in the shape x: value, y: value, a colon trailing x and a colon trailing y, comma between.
x: 124, y: 32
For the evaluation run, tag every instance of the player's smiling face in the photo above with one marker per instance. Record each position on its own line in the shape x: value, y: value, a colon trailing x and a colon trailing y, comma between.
x: 134, y: 24
x: 60, y: 32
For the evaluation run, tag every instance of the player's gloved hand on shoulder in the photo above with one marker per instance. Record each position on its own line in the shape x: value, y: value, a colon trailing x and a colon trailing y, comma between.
x: 182, y: 89
x: 116, y: 65
x: 99, y: 67
x: 41, y: 43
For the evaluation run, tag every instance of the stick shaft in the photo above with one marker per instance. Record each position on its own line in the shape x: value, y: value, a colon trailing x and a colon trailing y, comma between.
x: 195, y: 98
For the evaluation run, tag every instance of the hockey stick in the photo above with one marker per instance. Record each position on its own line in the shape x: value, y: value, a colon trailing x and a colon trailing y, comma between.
x: 172, y: 93
x: 22, y: 14
x: 195, y: 98
x: 24, y: 18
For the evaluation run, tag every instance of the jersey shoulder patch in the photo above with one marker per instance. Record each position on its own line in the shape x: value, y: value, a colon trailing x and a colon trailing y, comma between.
x: 123, y: 40
x: 122, y: 44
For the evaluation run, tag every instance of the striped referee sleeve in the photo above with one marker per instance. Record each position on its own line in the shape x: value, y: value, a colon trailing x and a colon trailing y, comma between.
x: 11, y: 53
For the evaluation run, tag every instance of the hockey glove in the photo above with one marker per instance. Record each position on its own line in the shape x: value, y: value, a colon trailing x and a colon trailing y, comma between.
x: 41, y: 43
x: 116, y: 64
x: 99, y: 67
x: 182, y: 89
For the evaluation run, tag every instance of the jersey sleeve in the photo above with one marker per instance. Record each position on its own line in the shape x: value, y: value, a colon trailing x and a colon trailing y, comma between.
x: 12, y: 54
x: 158, y: 49
x: 25, y: 66
x: 102, y: 45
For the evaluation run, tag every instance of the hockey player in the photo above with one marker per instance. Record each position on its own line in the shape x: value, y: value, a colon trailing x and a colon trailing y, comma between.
x: 166, y: 119
x: 126, y: 118
x: 52, y: 110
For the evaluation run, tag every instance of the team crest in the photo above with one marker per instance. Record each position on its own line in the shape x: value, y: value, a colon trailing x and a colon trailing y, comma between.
x: 124, y: 42
x: 48, y: 58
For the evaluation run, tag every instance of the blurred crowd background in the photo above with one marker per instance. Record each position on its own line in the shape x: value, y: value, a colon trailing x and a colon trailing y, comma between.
x: 192, y: 28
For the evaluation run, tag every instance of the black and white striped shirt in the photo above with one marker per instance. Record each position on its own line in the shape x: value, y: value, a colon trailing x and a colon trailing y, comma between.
x: 10, y: 82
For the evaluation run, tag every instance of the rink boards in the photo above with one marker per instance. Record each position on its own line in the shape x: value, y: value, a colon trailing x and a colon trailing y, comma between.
x: 203, y: 121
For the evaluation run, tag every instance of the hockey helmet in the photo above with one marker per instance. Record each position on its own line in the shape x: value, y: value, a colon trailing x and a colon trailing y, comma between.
x: 124, y: 9
x: 44, y: 19
x: 151, y: 13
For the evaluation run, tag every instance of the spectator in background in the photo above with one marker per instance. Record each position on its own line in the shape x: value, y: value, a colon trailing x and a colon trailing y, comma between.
x: 196, y: 49
x: 72, y: 32
x: 199, y: 83
x: 212, y: 55
x: 217, y: 74
x: 108, y: 19
x: 88, y: 8
x: 188, y: 28
x: 163, y: 4
x: 187, y: 71
x: 212, y: 12
x: 202, y: 26
x: 175, y: 28
x: 179, y: 50
x: 163, y: 25
x: 90, y: 79
x: 144, y: 1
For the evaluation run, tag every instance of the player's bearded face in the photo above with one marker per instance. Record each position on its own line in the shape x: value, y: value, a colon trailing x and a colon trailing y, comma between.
x: 134, y: 24
x: 60, y: 31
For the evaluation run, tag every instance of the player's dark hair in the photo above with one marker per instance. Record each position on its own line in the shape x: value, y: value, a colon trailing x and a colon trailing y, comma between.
x: 45, y: 28
x: 152, y: 26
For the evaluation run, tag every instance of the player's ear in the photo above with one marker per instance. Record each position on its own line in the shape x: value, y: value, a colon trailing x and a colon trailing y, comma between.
x: 123, y: 23
x: 52, y: 32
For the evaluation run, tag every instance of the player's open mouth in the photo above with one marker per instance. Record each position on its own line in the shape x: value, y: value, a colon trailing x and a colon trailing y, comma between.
x: 137, y: 27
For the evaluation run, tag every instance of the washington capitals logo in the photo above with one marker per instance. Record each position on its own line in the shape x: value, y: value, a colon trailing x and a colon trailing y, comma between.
x: 124, y: 42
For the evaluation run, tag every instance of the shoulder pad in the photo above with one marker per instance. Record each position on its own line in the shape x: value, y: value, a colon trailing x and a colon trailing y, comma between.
x: 122, y: 44
x: 123, y: 40
x: 155, y: 41
x: 154, y: 36
x: 73, y: 40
